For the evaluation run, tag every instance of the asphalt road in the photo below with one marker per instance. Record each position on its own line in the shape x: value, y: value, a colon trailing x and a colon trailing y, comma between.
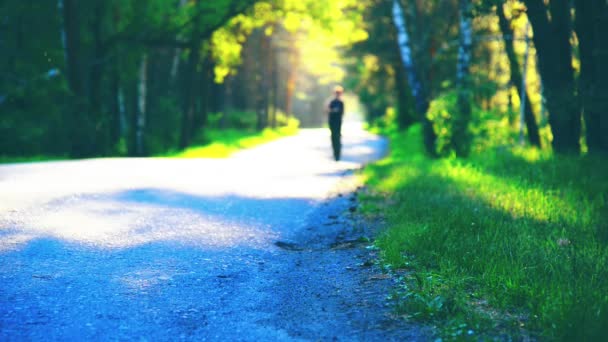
x: 258, y: 246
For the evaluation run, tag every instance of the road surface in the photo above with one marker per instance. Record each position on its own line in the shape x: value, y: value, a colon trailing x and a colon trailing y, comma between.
x: 253, y: 247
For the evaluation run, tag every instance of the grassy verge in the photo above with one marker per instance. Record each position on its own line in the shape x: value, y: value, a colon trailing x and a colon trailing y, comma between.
x: 510, y: 240
x: 222, y: 143
x: 10, y: 160
x: 214, y: 144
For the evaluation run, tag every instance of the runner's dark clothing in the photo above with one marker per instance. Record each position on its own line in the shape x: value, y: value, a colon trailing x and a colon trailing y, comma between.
x: 336, y: 112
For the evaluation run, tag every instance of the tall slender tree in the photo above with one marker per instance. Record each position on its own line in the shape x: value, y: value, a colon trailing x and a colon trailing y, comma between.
x: 515, y: 74
x: 461, y: 138
x: 414, y: 80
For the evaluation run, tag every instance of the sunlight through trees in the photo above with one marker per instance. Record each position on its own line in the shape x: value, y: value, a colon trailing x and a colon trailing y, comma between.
x: 143, y: 77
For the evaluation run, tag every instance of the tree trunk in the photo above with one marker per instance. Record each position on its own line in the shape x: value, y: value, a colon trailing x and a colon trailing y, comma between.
x: 292, y: 76
x: 96, y: 71
x: 267, y: 77
x: 122, y: 113
x: 132, y: 102
x: 71, y: 31
x: 523, y: 86
x: 461, y: 138
x: 62, y: 32
x: 82, y: 144
x: 141, y: 106
x: 421, y: 101
x: 554, y: 51
x: 591, y: 28
x: 216, y: 91
x: 115, y: 107
x: 404, y: 107
x: 189, y: 95
x: 176, y: 54
x: 275, y: 87
x: 516, y: 77
x: 204, y: 80
x: 263, y: 68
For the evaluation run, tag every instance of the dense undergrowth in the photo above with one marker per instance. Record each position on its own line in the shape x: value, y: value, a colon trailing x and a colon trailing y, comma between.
x: 510, y: 241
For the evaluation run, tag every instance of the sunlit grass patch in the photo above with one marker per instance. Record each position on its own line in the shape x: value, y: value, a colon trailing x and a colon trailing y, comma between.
x: 519, y: 231
x: 216, y: 143
x: 225, y: 142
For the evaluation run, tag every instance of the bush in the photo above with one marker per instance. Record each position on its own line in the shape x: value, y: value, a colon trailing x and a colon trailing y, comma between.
x: 489, y: 128
x: 236, y: 119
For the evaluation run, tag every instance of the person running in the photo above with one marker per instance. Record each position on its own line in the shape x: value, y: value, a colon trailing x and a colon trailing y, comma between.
x: 335, y: 110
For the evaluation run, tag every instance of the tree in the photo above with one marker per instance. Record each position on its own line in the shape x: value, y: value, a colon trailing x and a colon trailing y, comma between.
x: 516, y: 76
x: 414, y: 80
x: 591, y: 28
x: 552, y: 41
x: 82, y: 144
x: 461, y: 139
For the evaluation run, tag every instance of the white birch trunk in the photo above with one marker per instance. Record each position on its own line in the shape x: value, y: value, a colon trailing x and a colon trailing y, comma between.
x: 405, y: 49
x: 141, y: 106
x: 466, y: 42
x: 461, y: 138
x: 415, y: 82
x: 175, y: 64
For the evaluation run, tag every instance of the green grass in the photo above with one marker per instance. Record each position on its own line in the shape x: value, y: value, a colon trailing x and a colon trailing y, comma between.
x: 222, y: 143
x: 507, y: 240
x: 214, y: 144
x: 10, y: 160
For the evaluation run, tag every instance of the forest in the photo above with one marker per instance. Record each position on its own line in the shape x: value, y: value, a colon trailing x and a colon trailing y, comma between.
x: 142, y: 77
x: 497, y: 113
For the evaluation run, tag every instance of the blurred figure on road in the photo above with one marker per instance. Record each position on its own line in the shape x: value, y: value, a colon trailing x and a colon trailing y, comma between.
x: 335, y: 110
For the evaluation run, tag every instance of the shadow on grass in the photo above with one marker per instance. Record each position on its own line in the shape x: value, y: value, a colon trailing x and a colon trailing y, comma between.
x: 586, y: 174
x: 473, y: 230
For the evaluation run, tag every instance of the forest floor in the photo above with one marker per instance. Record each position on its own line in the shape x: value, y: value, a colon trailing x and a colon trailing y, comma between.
x: 264, y: 245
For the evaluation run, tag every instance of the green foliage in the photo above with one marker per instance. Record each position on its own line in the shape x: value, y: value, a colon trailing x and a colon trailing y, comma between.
x: 284, y: 120
x: 162, y: 132
x: 227, y: 42
x: 246, y: 120
x: 217, y: 141
x: 236, y: 119
x: 30, y: 123
x: 386, y: 122
x: 222, y: 143
x: 371, y: 66
x: 373, y: 81
x: 317, y: 28
x: 517, y: 236
x: 489, y: 128
x: 33, y: 92
x: 441, y: 112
